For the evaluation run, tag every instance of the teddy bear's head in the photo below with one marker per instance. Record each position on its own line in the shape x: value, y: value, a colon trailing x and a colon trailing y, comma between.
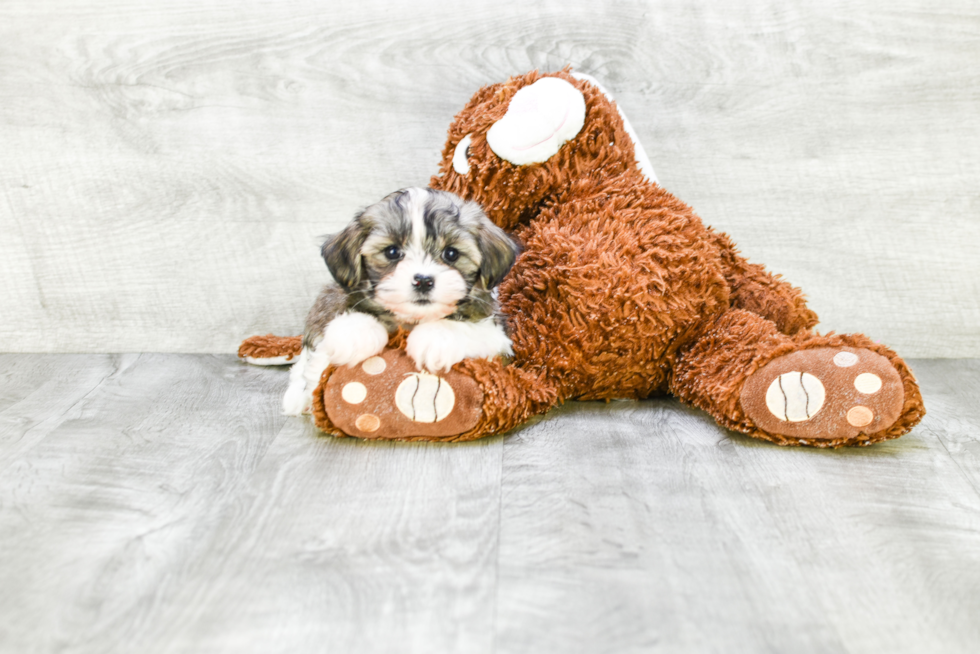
x: 519, y: 143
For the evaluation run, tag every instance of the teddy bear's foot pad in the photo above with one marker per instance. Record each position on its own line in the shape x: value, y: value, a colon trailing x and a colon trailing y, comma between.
x: 826, y: 393
x: 387, y: 397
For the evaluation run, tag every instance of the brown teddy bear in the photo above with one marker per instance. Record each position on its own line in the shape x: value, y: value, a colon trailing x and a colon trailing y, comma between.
x: 620, y: 292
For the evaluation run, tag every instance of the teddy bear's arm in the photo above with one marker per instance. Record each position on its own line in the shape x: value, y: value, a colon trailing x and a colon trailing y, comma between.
x: 387, y: 397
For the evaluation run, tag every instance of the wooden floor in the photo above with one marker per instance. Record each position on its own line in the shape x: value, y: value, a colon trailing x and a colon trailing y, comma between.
x: 160, y: 503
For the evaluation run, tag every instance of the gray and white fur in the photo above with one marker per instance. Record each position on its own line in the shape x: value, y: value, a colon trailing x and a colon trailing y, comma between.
x: 421, y: 259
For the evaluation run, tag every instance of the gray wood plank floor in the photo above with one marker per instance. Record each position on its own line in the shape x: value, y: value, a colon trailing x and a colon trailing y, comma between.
x: 159, y: 503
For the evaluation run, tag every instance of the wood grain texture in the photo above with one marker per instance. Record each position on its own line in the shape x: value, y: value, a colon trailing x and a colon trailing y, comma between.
x: 347, y: 546
x: 645, y: 527
x: 37, y: 392
x: 162, y: 505
x: 103, y: 515
x: 167, y: 171
x: 170, y: 510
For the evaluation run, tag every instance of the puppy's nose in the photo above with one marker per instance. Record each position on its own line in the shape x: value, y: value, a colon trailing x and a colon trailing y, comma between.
x: 423, y: 283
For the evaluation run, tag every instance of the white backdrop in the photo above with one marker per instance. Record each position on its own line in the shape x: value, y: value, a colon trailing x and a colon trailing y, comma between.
x: 168, y: 167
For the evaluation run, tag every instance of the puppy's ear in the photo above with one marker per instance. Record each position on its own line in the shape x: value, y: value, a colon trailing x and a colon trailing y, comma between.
x: 342, y: 252
x: 498, y: 250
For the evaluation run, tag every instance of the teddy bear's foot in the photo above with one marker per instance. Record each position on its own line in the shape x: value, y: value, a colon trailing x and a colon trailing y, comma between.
x: 809, y: 389
x: 825, y: 394
x: 386, y: 397
x: 270, y: 350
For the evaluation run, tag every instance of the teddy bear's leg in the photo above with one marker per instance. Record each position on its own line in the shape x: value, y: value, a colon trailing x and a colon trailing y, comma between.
x: 825, y: 391
x: 387, y: 397
x: 755, y: 289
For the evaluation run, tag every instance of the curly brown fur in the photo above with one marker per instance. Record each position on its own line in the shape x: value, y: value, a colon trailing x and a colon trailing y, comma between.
x: 622, y: 291
x: 711, y: 373
x: 270, y: 346
x: 759, y: 291
x: 628, y: 275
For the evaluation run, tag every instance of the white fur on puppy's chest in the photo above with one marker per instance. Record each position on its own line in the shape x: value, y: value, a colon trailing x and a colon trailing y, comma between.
x: 440, y: 344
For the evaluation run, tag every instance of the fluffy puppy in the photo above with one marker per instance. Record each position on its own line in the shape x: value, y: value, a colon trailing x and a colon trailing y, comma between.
x: 421, y: 259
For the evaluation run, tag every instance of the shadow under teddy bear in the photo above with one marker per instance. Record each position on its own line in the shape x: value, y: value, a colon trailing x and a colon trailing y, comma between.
x: 620, y: 292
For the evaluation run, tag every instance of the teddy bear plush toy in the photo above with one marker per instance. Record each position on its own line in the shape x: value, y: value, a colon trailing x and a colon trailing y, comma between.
x: 620, y: 292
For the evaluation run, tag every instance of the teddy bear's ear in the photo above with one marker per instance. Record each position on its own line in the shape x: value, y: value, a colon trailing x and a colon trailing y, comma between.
x: 342, y: 252
x: 540, y: 118
x: 642, y: 160
x: 461, y: 155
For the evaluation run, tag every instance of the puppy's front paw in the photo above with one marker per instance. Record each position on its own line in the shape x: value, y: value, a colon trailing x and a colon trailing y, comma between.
x: 435, y: 346
x: 299, y: 395
x: 297, y: 401
x: 352, y: 337
x: 440, y: 344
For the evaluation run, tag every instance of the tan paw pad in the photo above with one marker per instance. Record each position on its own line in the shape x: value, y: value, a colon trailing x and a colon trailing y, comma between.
x: 368, y: 422
x: 387, y: 397
x: 824, y: 394
x: 423, y: 397
x: 354, y: 392
x: 867, y: 383
x: 860, y: 416
x: 374, y: 366
x: 795, y: 396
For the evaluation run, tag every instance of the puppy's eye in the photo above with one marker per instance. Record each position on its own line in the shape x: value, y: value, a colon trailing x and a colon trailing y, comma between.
x: 392, y: 253
x: 450, y: 254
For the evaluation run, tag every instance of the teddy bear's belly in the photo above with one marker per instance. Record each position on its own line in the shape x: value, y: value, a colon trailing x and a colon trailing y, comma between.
x: 610, y: 325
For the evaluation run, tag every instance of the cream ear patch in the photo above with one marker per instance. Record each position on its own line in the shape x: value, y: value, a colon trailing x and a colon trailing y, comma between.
x: 461, y: 161
x: 540, y: 118
x: 424, y: 398
x: 795, y: 396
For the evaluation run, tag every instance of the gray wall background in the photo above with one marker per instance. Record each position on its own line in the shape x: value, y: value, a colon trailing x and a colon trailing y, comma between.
x: 168, y: 167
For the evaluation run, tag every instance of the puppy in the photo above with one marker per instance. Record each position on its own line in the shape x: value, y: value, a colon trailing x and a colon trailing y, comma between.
x: 421, y: 259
